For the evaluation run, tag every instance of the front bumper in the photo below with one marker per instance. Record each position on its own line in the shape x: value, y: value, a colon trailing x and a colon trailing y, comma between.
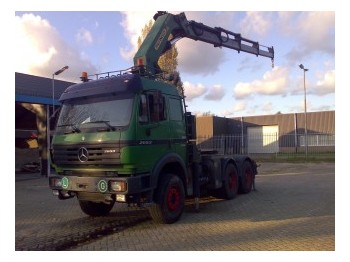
x: 104, y: 185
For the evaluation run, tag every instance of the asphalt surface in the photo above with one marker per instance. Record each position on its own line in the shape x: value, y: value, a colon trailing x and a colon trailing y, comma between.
x: 292, y: 209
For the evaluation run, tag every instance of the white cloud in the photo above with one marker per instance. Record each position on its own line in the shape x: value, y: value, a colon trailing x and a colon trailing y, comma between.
x: 41, y: 50
x: 193, y: 91
x: 256, y: 23
x: 199, y: 57
x: 239, y: 106
x: 215, y: 93
x: 274, y: 82
x: 84, y: 36
x: 133, y: 23
x: 325, y: 85
x: 31, y: 52
x: 312, y: 32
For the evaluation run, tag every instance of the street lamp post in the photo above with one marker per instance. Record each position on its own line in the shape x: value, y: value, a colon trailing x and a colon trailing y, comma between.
x: 305, y: 111
x: 53, y: 86
x: 48, y: 117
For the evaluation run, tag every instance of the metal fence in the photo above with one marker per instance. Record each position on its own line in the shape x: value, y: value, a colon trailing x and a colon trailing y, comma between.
x: 272, y: 144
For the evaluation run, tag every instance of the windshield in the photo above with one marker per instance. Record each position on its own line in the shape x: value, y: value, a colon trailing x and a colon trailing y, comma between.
x: 106, y: 112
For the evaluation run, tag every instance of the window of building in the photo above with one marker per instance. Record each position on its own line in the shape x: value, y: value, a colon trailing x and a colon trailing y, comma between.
x: 318, y: 140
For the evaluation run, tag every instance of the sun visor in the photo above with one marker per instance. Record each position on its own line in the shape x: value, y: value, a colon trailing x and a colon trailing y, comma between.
x: 119, y: 85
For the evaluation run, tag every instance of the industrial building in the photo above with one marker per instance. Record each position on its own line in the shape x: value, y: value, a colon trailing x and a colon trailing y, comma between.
x: 35, y: 99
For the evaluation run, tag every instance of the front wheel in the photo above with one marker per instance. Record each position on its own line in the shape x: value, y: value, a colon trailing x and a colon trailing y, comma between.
x: 95, y: 209
x: 169, y: 200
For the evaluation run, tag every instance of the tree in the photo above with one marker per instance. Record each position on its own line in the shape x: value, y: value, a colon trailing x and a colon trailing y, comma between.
x: 167, y: 62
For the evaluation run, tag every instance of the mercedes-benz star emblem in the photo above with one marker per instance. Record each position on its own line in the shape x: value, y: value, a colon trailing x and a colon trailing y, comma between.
x: 83, y: 154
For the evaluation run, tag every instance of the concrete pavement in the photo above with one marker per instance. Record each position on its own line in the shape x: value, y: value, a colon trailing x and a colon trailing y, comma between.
x: 292, y: 209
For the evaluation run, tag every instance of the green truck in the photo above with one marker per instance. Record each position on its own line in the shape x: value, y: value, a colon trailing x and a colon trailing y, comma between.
x: 126, y: 136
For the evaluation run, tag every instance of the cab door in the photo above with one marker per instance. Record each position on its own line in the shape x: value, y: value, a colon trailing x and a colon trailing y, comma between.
x: 153, y: 128
x: 177, y: 133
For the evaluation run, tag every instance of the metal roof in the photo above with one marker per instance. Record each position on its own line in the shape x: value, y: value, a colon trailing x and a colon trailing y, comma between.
x: 37, y: 89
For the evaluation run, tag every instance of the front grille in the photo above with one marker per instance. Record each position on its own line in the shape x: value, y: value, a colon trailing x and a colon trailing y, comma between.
x: 86, y: 154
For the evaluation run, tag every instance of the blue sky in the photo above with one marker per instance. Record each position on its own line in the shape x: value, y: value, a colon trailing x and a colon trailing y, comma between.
x: 219, y: 81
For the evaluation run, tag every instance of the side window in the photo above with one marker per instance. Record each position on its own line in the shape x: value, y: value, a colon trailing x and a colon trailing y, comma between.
x: 152, y: 108
x: 175, y: 106
x: 143, y: 109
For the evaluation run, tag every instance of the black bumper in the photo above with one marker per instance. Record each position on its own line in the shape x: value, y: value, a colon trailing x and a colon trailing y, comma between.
x: 134, y: 185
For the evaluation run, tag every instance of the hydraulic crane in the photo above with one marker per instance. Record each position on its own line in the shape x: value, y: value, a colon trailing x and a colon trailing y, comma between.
x: 169, y: 28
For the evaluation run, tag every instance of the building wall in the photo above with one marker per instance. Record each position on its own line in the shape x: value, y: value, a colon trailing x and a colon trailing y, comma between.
x: 220, y: 126
x: 321, y: 127
x: 317, y: 122
x: 205, y: 126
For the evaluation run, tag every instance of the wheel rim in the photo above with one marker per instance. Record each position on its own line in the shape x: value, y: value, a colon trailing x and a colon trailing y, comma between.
x: 232, y: 181
x: 173, y: 198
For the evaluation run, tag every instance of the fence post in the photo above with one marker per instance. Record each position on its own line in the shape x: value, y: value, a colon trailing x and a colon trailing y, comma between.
x: 242, y: 134
x: 295, y: 133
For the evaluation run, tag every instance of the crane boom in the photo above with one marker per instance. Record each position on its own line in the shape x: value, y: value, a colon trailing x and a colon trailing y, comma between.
x: 168, y: 28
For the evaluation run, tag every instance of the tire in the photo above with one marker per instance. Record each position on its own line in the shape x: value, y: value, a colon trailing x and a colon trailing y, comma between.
x: 246, y: 182
x: 230, y: 184
x: 169, y: 200
x: 95, y: 209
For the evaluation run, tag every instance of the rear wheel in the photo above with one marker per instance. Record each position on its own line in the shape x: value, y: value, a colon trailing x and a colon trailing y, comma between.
x: 169, y: 200
x: 230, y: 184
x: 95, y: 209
x: 246, y: 182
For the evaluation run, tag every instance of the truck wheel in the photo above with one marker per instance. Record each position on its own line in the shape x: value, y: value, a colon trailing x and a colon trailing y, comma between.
x: 246, y: 182
x: 95, y: 209
x: 230, y: 184
x: 169, y: 200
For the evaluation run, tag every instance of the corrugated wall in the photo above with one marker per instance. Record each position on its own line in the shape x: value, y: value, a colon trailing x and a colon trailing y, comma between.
x: 317, y: 122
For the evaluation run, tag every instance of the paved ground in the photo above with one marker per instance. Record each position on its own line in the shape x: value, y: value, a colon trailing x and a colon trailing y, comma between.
x: 292, y: 209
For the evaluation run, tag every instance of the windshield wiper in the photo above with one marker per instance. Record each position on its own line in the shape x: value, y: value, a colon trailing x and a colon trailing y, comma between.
x: 75, y: 129
x: 104, y: 122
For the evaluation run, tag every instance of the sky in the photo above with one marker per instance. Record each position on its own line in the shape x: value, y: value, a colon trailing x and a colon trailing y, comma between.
x: 218, y: 81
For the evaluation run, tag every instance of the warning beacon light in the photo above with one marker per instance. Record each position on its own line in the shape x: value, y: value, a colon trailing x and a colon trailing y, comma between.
x: 84, y: 77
